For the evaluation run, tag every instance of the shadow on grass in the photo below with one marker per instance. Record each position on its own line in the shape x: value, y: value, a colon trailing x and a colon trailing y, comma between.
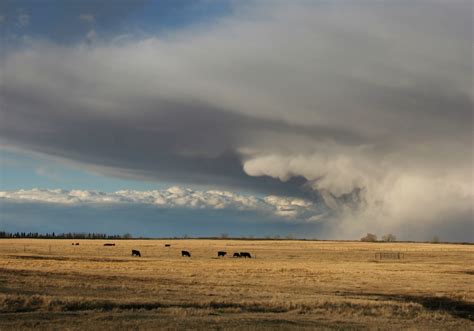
x: 75, y: 258
x: 22, y: 304
x: 454, y: 307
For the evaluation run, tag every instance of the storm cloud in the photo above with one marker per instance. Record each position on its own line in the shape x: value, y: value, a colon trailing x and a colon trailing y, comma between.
x: 364, y: 107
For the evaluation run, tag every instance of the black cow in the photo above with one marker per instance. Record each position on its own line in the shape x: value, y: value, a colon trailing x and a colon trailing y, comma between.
x: 236, y: 255
x: 136, y: 253
x: 167, y: 245
x: 108, y: 244
x: 77, y: 244
x: 221, y: 253
x: 245, y: 254
x: 185, y: 253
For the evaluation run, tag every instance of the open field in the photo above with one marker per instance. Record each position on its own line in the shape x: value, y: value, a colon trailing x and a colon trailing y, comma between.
x: 48, y: 284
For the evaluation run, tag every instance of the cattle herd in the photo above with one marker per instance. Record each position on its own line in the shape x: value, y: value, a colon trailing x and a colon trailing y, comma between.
x: 136, y: 253
x: 243, y: 254
x: 188, y: 254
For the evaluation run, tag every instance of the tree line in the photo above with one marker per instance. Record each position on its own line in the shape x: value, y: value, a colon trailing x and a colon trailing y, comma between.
x: 68, y: 235
x: 370, y: 237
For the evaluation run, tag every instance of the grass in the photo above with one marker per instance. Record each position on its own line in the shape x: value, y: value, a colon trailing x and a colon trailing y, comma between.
x: 49, y: 284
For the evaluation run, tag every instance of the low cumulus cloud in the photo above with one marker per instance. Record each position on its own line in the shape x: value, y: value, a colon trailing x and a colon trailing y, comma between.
x: 362, y: 107
x: 173, y: 197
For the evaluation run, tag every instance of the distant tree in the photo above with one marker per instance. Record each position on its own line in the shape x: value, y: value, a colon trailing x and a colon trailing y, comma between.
x: 370, y: 237
x: 435, y: 239
x: 290, y: 237
x: 224, y: 236
x: 127, y: 236
x: 389, y: 237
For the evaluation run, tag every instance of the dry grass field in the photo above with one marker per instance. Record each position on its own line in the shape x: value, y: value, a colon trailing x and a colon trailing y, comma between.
x: 286, y: 285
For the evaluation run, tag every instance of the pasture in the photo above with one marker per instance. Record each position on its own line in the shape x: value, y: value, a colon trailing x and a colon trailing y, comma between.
x: 286, y: 285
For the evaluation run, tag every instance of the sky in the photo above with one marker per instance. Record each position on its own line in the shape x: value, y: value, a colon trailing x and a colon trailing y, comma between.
x: 314, y: 119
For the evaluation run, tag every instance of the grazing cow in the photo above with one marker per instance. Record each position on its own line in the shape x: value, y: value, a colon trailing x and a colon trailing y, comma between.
x: 221, y: 253
x: 107, y: 244
x: 245, y: 254
x: 167, y: 245
x: 77, y: 244
x: 185, y: 253
x: 136, y: 253
x: 236, y: 255
x: 72, y: 244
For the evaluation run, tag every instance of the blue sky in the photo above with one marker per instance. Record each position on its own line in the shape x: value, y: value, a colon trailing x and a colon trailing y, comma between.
x: 150, y: 221
x: 21, y: 170
x: 69, y: 22
x: 324, y: 119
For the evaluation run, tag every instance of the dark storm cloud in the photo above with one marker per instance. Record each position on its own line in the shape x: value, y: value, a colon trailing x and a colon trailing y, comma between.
x: 171, y: 141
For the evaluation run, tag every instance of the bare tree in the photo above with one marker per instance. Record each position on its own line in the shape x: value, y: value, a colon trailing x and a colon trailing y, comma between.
x: 389, y: 237
x: 370, y: 237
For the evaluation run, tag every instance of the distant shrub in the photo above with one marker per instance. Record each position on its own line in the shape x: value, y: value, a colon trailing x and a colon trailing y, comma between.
x: 435, y: 239
x: 389, y: 237
x: 370, y: 237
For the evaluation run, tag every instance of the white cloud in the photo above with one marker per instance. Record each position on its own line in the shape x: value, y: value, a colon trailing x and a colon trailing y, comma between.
x: 290, y: 207
x: 173, y: 197
x: 91, y: 35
